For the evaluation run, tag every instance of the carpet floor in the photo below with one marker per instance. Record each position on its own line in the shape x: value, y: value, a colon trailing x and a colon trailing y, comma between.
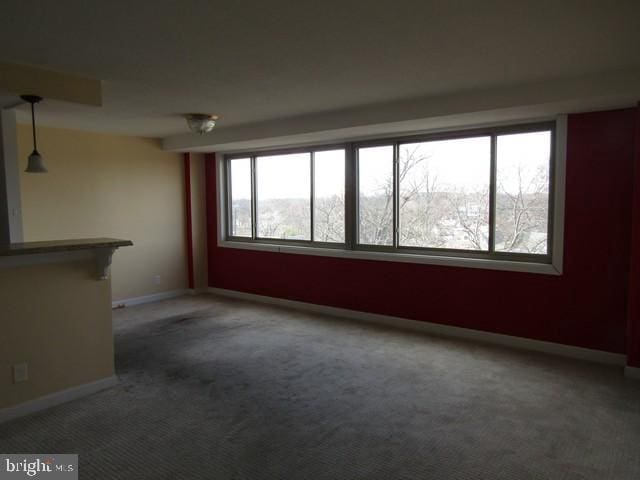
x: 213, y: 388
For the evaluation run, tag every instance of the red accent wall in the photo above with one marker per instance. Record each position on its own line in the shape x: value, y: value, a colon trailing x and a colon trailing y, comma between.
x: 633, y: 318
x: 586, y: 306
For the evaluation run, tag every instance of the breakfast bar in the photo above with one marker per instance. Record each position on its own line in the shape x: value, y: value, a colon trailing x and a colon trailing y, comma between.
x: 56, y: 297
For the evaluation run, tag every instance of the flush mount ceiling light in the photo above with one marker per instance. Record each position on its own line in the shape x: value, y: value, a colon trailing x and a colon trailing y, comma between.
x: 35, y: 164
x: 201, y: 122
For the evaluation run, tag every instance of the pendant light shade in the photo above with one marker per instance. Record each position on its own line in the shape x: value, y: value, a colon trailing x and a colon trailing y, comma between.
x: 35, y: 163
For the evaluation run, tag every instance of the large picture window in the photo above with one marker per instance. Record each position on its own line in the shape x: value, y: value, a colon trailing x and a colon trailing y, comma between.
x: 471, y: 194
x: 296, y: 197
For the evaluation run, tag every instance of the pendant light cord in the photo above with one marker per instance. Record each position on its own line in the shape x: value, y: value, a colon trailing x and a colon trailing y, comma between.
x: 33, y: 126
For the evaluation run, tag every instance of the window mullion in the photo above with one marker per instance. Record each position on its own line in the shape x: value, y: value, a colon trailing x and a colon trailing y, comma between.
x: 228, y: 221
x: 350, y: 201
x: 492, y: 194
x: 396, y: 195
x: 312, y: 173
x: 254, y: 196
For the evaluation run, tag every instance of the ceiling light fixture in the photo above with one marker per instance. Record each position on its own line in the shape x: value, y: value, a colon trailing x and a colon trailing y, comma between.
x: 201, y: 122
x: 35, y: 164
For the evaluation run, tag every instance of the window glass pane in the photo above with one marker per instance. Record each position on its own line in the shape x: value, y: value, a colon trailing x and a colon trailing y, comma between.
x: 283, y: 184
x: 328, y: 203
x: 522, y: 195
x: 375, y: 195
x: 444, y: 193
x: 240, y: 197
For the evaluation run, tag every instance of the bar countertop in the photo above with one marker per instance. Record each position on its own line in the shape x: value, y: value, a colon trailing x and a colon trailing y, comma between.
x: 29, y: 248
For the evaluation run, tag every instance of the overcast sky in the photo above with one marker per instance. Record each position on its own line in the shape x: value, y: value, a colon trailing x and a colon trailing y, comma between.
x: 463, y: 163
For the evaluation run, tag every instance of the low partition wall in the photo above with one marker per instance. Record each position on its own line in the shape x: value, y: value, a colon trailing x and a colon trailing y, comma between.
x: 57, y: 340
x: 56, y: 324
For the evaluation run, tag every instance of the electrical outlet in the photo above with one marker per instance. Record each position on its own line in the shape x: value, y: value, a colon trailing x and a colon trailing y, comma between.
x: 20, y: 372
x: 156, y: 280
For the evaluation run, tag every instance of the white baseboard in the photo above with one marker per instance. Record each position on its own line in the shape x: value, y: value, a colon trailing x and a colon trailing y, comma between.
x: 197, y: 291
x: 154, y: 297
x: 597, y: 356
x: 57, y: 398
x: 632, y: 372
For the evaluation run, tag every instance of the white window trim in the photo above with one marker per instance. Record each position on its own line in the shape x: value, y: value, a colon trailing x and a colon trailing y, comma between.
x: 554, y: 268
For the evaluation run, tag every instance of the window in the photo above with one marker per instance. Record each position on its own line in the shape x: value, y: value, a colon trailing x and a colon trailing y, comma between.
x: 444, y: 193
x: 522, y: 198
x: 297, y: 197
x: 482, y: 194
x: 328, y: 191
x: 283, y: 196
x: 240, y: 186
x: 375, y: 195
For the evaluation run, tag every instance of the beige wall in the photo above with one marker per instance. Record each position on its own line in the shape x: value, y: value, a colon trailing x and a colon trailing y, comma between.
x: 64, y: 334
x: 102, y: 185
x: 98, y: 186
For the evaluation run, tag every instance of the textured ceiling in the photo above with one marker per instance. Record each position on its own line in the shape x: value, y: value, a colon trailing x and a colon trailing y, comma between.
x: 253, y: 61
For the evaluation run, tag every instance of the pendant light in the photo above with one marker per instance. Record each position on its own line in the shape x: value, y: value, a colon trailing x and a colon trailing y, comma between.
x: 35, y: 164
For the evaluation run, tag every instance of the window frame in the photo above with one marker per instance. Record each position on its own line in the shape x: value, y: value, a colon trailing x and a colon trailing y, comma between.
x: 229, y: 203
x: 549, y: 263
x: 254, y: 188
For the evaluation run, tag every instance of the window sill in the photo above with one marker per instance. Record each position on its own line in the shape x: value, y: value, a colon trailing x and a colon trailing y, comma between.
x: 482, y: 263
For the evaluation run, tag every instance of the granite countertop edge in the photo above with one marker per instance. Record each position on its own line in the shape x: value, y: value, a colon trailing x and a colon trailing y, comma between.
x: 30, y: 248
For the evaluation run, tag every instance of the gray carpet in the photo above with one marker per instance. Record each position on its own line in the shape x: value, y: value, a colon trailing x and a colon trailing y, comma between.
x: 222, y: 389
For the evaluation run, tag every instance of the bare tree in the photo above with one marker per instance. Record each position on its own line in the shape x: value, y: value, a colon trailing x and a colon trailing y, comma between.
x: 522, y: 213
x: 329, y: 219
x: 376, y: 211
x: 471, y: 209
x: 432, y: 214
x: 241, y: 217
